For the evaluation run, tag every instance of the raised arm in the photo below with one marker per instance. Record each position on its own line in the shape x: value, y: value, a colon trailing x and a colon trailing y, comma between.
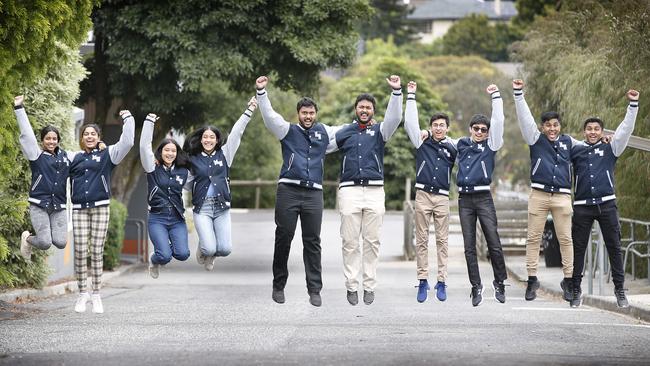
x: 272, y: 120
x: 393, y: 115
x: 527, y: 124
x: 28, y: 142
x: 625, y: 129
x: 411, y: 123
x: 146, y: 153
x: 119, y: 150
x: 234, y: 139
x: 495, y: 139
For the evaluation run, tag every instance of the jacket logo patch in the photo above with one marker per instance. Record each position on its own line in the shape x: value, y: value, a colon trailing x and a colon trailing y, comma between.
x: 97, y: 158
x: 318, y: 135
x: 563, y: 146
x: 218, y: 162
x: 370, y: 132
x: 481, y: 147
x: 447, y: 153
x: 599, y: 152
x: 179, y: 179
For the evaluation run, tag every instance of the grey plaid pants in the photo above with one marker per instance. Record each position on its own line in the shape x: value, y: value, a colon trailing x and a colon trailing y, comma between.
x: 89, y: 227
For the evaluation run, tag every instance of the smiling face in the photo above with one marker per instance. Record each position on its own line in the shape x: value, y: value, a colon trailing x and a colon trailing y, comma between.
x: 209, y: 140
x: 593, y: 132
x: 364, y: 111
x: 479, y: 132
x: 168, y: 154
x: 50, y: 141
x: 307, y: 116
x: 439, y: 129
x: 551, y: 129
x: 89, y: 138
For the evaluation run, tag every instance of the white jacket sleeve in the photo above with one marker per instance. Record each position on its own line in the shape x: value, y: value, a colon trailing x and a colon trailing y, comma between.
x: 393, y: 115
x: 527, y: 124
x: 625, y: 129
x: 119, y: 150
x: 146, y: 153
x: 495, y: 139
x: 28, y: 142
x: 234, y: 139
x: 411, y: 123
x: 272, y: 120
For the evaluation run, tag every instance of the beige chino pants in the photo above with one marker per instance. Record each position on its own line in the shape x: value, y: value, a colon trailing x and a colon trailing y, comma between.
x: 429, y: 205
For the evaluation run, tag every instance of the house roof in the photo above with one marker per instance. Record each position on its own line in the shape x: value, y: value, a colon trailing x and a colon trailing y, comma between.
x: 457, y: 9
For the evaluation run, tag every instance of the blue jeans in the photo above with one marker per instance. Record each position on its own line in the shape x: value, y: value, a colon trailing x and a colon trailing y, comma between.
x: 168, y: 232
x: 213, y: 226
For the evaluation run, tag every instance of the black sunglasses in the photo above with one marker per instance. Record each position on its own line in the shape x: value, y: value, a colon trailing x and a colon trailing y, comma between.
x: 482, y: 129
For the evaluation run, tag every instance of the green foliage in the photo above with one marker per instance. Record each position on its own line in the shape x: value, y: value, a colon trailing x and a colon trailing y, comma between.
x: 388, y: 20
x: 528, y: 10
x: 115, y: 235
x: 474, y: 35
x: 580, y: 61
x: 29, y: 38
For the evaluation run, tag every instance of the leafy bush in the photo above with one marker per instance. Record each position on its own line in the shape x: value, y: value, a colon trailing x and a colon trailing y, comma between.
x: 115, y: 235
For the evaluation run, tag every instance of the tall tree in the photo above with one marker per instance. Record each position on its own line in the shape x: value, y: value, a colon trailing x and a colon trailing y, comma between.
x: 474, y: 35
x: 155, y: 55
x: 389, y: 20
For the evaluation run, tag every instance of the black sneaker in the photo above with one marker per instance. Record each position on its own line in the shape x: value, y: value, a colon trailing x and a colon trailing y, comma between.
x: 499, y: 291
x: 621, y: 300
x: 314, y: 299
x: 567, y: 288
x: 533, y: 286
x: 576, y: 296
x: 368, y: 297
x: 476, y: 295
x: 278, y: 296
x: 353, y: 297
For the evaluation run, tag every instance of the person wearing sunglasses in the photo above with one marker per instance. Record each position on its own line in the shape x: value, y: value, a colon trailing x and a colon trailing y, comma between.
x: 434, y: 161
x: 476, y: 159
x: 550, y: 176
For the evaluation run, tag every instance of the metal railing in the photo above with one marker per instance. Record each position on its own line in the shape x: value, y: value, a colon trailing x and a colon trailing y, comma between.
x: 141, y: 228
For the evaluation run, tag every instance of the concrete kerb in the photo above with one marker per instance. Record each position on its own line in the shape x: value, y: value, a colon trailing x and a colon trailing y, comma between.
x: 61, y: 288
x: 607, y: 303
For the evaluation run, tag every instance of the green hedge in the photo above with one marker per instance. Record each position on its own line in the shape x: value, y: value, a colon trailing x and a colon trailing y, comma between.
x: 115, y: 235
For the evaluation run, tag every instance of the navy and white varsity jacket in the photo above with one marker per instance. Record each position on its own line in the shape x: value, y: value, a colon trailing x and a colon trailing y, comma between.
x: 593, y: 165
x: 550, y: 169
x: 214, y: 169
x: 434, y: 159
x: 49, y: 171
x: 476, y: 160
x: 303, y: 150
x: 164, y: 184
x: 90, y: 172
x: 363, y: 146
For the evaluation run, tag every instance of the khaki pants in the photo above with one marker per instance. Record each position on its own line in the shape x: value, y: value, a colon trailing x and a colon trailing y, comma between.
x: 560, y: 206
x: 426, y: 206
x: 362, y: 214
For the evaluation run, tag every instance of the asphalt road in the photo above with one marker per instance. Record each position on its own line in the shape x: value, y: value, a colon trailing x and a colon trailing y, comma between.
x: 227, y: 317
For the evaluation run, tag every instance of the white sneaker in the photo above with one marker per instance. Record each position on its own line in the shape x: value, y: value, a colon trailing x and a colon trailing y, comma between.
x: 200, y: 258
x: 25, y: 247
x: 80, y: 305
x: 154, y: 270
x: 209, y: 263
x: 98, y: 308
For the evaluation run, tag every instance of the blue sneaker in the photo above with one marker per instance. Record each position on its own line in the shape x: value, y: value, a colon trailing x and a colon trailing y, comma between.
x: 441, y: 293
x: 423, y: 287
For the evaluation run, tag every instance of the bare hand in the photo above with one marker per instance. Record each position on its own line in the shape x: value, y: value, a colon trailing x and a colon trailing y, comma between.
x: 124, y: 113
x: 261, y: 82
x: 394, y: 82
x: 252, y: 104
x: 412, y: 86
x: 606, y: 139
x: 517, y: 84
x: 424, y: 134
x: 18, y: 100
x: 152, y: 117
x: 633, y: 95
x: 492, y: 88
x: 101, y: 145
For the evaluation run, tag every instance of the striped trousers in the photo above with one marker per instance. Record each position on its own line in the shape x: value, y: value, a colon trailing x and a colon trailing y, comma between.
x: 89, y: 228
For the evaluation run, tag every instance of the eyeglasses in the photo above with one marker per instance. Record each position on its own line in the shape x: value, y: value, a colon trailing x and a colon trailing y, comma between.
x: 482, y: 129
x: 443, y: 125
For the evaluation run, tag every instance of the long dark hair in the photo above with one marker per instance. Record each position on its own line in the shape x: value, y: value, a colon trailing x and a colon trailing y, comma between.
x: 81, y: 134
x: 49, y: 128
x: 193, y: 144
x: 181, y: 161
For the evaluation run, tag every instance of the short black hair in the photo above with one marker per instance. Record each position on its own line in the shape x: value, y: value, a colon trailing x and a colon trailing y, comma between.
x: 181, y: 161
x: 479, y: 119
x: 547, y: 116
x: 49, y: 128
x: 192, y: 144
x: 368, y: 97
x: 438, y: 116
x: 306, y: 102
x: 592, y: 120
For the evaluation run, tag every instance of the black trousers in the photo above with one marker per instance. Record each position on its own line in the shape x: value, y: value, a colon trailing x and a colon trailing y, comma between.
x: 291, y: 202
x: 481, y: 206
x: 607, y: 216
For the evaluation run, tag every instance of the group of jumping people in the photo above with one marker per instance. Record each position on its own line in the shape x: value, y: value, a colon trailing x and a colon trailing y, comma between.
x: 202, y: 166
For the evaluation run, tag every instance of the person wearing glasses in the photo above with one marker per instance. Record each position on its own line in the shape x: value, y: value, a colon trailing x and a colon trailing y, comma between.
x: 475, y: 161
x: 434, y: 160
